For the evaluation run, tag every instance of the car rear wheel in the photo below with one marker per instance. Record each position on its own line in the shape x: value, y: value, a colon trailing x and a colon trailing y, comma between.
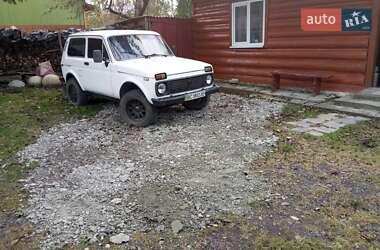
x: 197, y: 104
x: 136, y: 110
x: 75, y: 94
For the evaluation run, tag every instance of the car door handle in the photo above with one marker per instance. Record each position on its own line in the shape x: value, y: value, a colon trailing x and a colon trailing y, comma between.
x: 87, y: 63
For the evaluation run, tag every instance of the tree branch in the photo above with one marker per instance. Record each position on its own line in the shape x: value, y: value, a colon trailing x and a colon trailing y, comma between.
x: 143, y: 9
x: 109, y: 8
x: 139, y: 12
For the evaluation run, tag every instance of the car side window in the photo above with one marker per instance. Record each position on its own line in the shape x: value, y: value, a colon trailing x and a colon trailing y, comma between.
x: 77, y: 47
x: 96, y: 44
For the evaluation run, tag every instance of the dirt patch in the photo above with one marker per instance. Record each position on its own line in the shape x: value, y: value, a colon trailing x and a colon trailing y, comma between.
x: 325, y: 194
x: 98, y: 178
x: 17, y: 233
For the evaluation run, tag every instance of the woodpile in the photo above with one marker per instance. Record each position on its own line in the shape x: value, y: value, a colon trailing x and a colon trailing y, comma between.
x: 22, y: 52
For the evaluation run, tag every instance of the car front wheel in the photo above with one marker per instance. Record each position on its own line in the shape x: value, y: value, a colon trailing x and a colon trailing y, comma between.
x: 136, y: 110
x: 197, y: 104
x: 75, y: 93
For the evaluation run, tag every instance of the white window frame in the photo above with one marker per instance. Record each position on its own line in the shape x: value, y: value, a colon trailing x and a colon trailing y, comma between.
x: 247, y: 44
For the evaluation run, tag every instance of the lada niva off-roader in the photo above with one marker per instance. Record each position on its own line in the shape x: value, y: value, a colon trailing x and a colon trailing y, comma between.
x: 137, y: 68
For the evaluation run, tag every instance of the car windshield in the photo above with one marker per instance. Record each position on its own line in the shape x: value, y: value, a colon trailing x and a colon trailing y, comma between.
x: 128, y: 47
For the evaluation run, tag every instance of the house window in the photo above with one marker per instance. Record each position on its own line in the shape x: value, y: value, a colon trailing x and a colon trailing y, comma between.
x: 248, y: 24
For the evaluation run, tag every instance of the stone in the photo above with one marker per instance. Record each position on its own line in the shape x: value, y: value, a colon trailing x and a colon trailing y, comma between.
x: 51, y: 81
x: 160, y: 228
x: 14, y: 242
x: 302, y: 124
x: 35, y: 81
x: 177, y: 226
x: 294, y: 218
x: 369, y: 94
x: 284, y: 204
x: 300, y: 130
x: 361, y: 103
x: 324, y: 124
x: 92, y: 175
x: 93, y: 228
x: 116, y: 201
x: 298, y: 238
x: 107, y: 246
x: 16, y: 84
x: 364, y: 112
x: 234, y: 81
x: 119, y: 239
x: 93, y: 240
x: 324, y: 130
x: 198, y: 206
x: 315, y: 133
x: 160, y: 219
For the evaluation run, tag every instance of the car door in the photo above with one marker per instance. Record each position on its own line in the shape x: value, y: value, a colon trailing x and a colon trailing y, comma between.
x: 75, y: 59
x: 98, y: 75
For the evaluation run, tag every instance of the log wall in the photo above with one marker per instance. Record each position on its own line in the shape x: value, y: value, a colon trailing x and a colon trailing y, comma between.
x: 343, y: 55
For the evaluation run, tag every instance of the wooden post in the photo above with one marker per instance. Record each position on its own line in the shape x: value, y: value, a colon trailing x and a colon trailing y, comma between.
x: 60, y: 41
x: 276, y: 82
x: 317, y: 85
x: 374, y: 43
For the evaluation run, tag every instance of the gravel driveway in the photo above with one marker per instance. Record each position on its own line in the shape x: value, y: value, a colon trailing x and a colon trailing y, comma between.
x: 98, y: 178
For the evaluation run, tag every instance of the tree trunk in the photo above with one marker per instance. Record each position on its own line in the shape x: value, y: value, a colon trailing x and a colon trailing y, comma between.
x: 140, y: 7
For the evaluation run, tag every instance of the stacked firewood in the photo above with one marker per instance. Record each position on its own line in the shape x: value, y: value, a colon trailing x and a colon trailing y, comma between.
x: 22, y: 52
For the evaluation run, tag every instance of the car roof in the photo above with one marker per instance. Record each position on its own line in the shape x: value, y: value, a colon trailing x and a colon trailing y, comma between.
x: 109, y: 33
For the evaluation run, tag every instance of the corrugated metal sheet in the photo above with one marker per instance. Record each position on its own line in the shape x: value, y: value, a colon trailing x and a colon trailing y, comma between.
x: 176, y: 31
x: 343, y: 55
x: 39, y: 13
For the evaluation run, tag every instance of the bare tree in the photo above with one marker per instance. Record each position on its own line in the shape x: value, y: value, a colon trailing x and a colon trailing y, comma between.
x: 120, y: 7
x: 184, y: 8
x: 12, y: 1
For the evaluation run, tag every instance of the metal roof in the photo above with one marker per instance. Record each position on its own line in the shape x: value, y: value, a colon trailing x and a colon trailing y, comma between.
x: 108, y: 33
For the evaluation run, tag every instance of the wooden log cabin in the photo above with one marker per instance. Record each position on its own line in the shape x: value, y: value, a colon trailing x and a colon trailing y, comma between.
x: 250, y: 39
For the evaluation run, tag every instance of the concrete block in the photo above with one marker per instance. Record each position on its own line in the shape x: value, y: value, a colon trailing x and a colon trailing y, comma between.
x: 315, y: 133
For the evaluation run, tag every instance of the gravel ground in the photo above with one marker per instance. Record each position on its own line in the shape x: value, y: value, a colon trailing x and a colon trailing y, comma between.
x: 98, y: 178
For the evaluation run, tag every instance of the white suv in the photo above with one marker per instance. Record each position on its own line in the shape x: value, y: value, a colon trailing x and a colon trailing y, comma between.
x: 137, y: 68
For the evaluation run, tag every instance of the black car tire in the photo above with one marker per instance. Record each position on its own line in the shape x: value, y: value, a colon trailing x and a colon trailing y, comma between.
x: 197, y: 104
x: 75, y: 94
x: 135, y: 110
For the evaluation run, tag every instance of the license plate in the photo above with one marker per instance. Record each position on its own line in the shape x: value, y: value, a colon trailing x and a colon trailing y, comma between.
x: 194, y: 96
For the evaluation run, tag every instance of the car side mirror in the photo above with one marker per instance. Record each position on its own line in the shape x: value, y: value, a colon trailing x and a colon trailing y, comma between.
x: 106, y: 61
x: 97, y: 56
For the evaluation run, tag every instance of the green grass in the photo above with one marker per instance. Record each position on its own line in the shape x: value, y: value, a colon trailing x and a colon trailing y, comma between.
x: 292, y: 112
x: 337, y: 173
x: 23, y: 115
x: 276, y: 242
x: 331, y: 183
x: 346, y: 218
x: 362, y: 140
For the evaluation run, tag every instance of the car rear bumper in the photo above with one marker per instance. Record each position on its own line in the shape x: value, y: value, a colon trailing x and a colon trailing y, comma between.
x: 173, y: 100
